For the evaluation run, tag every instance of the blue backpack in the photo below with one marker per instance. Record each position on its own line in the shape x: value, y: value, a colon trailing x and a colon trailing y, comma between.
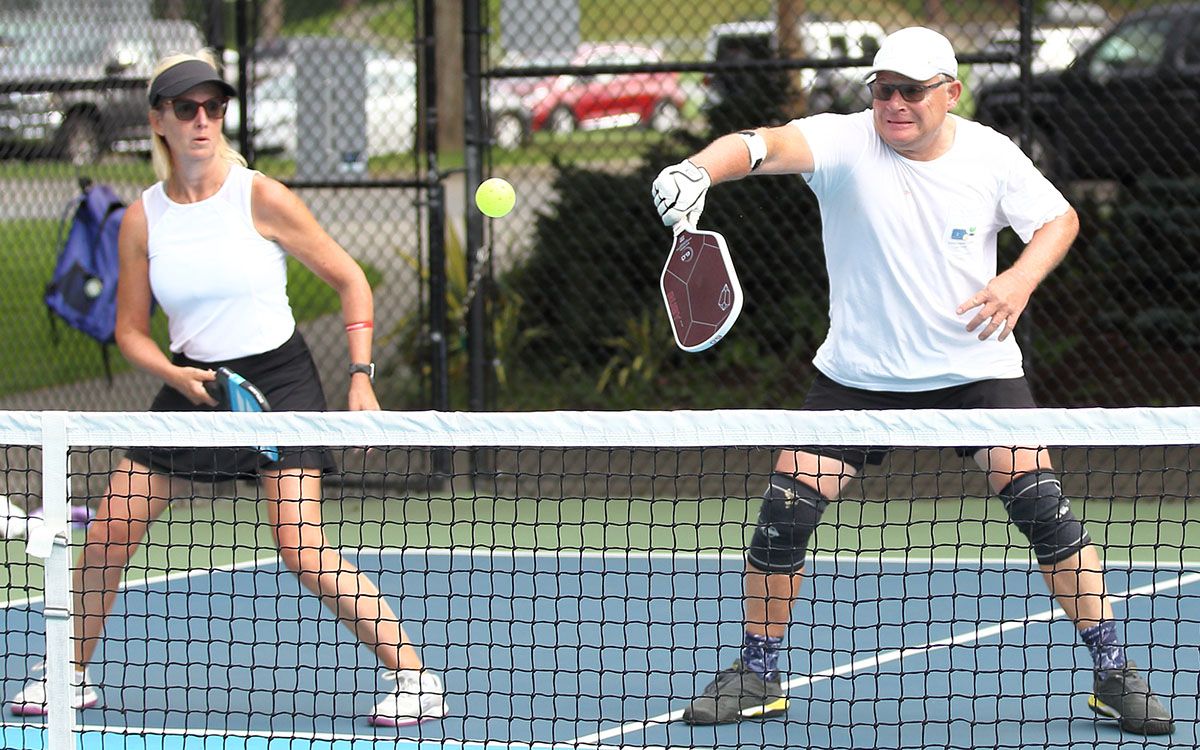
x: 83, y: 289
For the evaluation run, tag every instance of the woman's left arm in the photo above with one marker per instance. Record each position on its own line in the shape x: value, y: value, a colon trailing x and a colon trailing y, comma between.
x: 281, y: 216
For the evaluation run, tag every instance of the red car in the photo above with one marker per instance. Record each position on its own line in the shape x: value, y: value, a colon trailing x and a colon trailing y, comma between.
x: 565, y: 103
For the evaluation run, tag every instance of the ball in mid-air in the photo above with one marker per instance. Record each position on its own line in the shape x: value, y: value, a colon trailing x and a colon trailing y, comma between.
x: 495, y: 197
x: 92, y: 287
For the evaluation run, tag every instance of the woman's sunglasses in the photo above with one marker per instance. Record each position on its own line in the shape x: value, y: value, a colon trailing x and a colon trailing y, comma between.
x: 186, y: 109
x: 911, y: 92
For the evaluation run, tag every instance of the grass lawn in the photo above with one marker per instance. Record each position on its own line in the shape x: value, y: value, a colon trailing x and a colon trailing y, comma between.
x: 112, y: 169
x: 598, y: 146
x: 578, y: 148
x: 33, y: 359
x: 605, y: 20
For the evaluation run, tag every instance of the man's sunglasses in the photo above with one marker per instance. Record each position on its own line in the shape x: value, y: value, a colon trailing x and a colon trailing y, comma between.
x: 187, y: 109
x: 911, y: 92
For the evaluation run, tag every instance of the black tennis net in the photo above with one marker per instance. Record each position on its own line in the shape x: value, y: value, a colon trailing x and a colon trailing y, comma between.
x: 579, y: 579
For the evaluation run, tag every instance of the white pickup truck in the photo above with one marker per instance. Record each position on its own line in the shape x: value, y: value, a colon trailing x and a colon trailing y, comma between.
x: 827, y: 89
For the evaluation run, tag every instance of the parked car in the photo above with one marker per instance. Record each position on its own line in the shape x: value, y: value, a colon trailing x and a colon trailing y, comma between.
x: 1053, y: 49
x: 1072, y: 13
x: 827, y: 89
x: 1129, y: 105
x: 8, y: 43
x: 390, y: 101
x: 87, y: 115
x: 565, y: 103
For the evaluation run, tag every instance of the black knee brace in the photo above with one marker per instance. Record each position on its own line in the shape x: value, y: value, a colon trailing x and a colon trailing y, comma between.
x: 1036, y: 506
x: 790, y: 512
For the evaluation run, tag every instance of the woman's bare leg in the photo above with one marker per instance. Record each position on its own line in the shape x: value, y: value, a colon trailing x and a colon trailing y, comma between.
x: 134, y: 499
x: 294, y: 509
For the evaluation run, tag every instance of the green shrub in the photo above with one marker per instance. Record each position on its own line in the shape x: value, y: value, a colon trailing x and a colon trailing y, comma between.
x: 406, y: 376
x: 590, y: 287
x: 1116, y: 324
x: 1147, y: 258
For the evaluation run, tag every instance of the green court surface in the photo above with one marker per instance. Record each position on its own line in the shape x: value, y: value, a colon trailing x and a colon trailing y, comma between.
x: 205, y: 534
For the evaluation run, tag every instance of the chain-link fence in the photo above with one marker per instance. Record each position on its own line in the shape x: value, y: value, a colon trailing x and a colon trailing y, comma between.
x: 587, y: 102
x: 579, y: 105
x: 329, y: 105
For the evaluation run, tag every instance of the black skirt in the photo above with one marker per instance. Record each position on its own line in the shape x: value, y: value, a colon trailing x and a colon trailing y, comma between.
x: 287, y: 376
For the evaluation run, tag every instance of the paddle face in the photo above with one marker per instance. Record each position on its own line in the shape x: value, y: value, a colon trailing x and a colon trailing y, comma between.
x: 700, y: 289
x: 235, y: 393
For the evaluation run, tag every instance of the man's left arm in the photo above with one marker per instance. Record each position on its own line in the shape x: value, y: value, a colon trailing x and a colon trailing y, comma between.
x: 999, y: 305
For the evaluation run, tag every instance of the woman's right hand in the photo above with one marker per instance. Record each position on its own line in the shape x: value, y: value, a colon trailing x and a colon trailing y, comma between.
x: 190, y: 382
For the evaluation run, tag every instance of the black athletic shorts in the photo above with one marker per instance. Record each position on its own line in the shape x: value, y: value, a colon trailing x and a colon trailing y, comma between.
x: 827, y: 395
x: 287, y: 376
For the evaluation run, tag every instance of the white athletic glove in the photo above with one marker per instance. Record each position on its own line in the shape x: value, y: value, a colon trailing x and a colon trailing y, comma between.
x: 679, y: 192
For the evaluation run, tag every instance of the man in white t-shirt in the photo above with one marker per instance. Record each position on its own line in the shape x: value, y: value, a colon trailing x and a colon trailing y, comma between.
x: 911, y: 200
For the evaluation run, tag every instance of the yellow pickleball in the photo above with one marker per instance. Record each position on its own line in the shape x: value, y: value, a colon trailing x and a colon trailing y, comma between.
x: 495, y: 197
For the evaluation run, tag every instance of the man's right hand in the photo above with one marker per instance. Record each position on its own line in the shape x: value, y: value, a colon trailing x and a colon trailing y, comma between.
x: 679, y: 192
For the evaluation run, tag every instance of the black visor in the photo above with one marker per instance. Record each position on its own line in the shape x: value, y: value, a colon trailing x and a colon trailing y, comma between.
x: 183, y: 76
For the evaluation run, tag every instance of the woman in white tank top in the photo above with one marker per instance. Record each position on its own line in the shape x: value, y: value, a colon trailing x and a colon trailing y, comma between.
x: 209, y: 243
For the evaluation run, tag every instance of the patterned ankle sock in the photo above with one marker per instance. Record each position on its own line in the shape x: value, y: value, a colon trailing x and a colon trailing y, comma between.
x: 1107, y: 651
x: 760, y: 654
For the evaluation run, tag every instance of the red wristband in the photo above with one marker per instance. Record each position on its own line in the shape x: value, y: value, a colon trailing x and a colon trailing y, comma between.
x: 359, y: 326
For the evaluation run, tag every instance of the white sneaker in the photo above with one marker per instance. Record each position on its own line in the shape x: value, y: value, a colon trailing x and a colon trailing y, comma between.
x: 31, y: 701
x: 418, y: 696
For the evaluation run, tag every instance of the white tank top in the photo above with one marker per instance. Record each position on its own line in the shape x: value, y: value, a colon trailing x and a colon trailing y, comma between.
x: 222, y: 284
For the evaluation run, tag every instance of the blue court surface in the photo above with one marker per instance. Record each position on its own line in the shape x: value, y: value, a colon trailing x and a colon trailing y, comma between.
x: 563, y: 649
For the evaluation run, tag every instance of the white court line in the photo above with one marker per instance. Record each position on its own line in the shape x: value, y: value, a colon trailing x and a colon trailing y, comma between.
x: 886, y: 657
x: 841, y: 558
x: 393, y: 742
x: 150, y: 581
x: 838, y: 558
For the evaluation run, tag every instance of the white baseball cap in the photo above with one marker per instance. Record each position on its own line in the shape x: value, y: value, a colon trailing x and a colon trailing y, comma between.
x: 917, y: 53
